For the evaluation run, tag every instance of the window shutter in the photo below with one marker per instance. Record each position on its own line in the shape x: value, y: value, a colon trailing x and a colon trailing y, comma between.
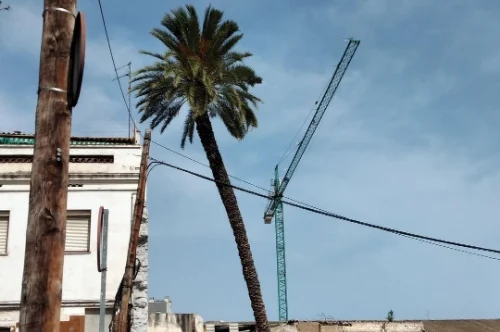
x: 78, y: 231
x: 4, y: 231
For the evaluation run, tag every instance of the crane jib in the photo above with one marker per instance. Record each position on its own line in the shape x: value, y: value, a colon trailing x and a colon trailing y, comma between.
x: 313, y: 125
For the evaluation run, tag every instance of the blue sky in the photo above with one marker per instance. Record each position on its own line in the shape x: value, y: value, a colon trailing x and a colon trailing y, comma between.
x: 410, y: 141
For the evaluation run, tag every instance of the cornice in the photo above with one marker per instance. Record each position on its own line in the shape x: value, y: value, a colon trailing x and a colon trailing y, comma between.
x: 22, y: 177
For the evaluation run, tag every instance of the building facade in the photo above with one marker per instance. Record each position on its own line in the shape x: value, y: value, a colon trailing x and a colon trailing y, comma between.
x: 103, y: 172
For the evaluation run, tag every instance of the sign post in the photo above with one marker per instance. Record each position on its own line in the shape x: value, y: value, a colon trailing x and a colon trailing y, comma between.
x: 102, y: 256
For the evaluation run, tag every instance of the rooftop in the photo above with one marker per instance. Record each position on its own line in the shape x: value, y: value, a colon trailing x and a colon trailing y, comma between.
x: 452, y: 325
x: 19, y: 138
x: 462, y: 325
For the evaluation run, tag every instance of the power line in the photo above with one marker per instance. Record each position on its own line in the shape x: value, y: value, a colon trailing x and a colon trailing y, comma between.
x: 291, y: 202
x: 127, y: 106
x: 426, y: 239
x: 231, y: 176
x: 114, y: 64
x: 455, y: 249
x: 390, y: 230
x: 131, y: 118
x: 203, y: 164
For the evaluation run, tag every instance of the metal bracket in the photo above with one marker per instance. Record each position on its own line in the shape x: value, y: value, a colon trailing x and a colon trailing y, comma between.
x: 58, y: 154
x: 58, y: 9
x: 49, y: 88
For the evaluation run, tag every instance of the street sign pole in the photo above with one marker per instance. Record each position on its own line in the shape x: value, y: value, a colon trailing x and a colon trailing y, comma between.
x: 102, y: 256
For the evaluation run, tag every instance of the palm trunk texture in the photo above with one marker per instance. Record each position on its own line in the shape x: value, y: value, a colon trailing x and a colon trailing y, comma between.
x: 205, y: 131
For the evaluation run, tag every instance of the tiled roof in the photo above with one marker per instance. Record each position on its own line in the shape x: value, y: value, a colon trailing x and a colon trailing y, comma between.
x: 465, y: 325
x: 18, y: 138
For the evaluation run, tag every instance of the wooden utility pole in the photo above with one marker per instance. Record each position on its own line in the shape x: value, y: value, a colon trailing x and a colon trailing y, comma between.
x: 45, y: 236
x: 122, y: 320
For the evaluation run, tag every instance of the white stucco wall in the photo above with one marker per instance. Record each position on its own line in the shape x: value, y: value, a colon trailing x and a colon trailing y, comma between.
x: 168, y: 322
x: 110, y: 185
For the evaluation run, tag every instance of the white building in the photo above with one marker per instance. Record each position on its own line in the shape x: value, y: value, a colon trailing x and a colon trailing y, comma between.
x: 103, y: 172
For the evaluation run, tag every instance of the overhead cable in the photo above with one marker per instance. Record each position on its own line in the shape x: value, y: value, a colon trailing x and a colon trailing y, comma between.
x: 311, y: 208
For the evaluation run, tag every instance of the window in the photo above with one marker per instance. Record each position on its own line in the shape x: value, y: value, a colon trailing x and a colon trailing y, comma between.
x: 78, y: 231
x: 4, y: 231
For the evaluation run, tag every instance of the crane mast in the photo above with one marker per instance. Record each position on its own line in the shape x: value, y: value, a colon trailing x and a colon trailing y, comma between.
x: 275, y: 205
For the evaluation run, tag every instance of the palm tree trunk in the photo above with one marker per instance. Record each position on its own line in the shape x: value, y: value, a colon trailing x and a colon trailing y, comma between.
x: 205, y: 131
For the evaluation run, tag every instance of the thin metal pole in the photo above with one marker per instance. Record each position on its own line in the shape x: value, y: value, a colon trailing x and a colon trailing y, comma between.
x: 104, y: 257
x: 129, y: 97
x: 129, y: 104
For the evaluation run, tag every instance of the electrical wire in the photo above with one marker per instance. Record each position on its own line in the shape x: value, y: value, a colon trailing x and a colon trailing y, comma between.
x: 291, y: 202
x: 426, y: 239
x: 390, y: 230
x: 131, y: 118
x: 114, y: 64
x: 455, y: 249
x: 203, y: 164
x: 117, y: 302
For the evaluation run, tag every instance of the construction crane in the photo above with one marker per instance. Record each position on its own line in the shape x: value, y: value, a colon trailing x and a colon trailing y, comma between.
x: 275, y: 205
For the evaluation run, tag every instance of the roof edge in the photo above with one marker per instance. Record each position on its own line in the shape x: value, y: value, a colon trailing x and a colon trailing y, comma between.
x: 18, y: 138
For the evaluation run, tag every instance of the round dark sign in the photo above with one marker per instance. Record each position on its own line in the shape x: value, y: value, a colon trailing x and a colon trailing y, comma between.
x: 77, y: 60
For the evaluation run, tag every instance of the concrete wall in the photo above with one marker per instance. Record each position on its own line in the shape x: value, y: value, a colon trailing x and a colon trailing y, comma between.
x: 9, y: 318
x: 110, y: 185
x: 163, y: 322
x: 164, y: 306
x: 359, y: 326
x: 92, y: 320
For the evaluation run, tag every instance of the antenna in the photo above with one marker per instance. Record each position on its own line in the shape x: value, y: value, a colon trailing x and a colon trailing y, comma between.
x: 129, y: 96
x: 129, y: 75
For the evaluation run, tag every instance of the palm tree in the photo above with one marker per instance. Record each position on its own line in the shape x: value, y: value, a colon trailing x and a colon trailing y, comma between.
x: 201, y: 70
